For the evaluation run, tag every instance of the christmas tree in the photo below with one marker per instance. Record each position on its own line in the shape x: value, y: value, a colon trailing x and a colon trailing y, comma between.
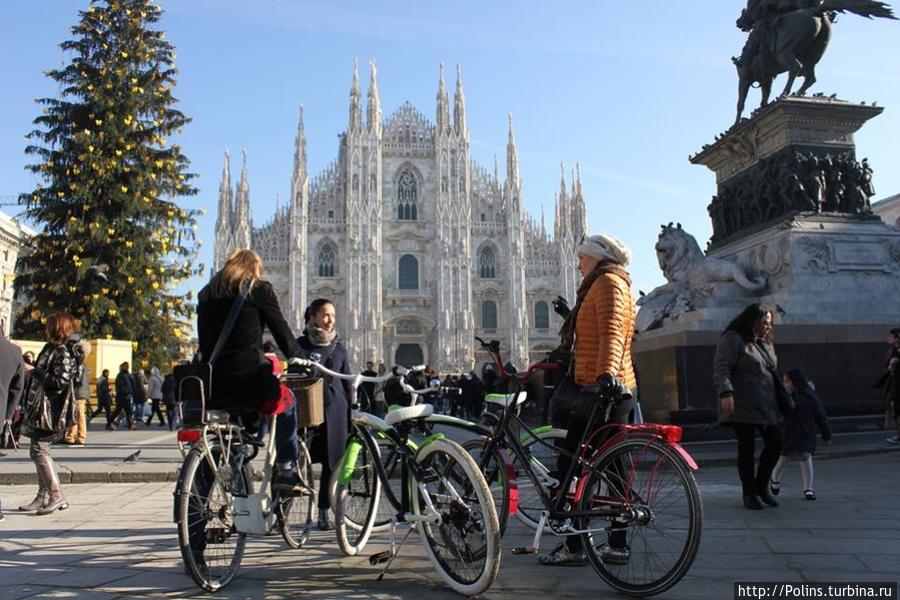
x: 113, y: 244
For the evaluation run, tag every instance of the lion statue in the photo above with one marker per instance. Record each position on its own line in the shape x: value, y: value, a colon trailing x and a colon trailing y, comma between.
x: 689, y: 275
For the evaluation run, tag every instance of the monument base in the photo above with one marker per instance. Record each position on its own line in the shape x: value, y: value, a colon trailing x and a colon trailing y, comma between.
x: 833, y: 282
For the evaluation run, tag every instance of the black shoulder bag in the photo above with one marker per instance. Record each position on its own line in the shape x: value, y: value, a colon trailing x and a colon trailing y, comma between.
x: 193, y: 381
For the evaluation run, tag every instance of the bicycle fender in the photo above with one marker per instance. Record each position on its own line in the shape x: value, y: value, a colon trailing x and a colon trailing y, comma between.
x: 429, y: 440
x: 538, y: 430
x: 349, y: 461
x: 685, y: 455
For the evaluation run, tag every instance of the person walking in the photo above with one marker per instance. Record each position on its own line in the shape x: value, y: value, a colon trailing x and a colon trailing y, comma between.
x: 76, y: 435
x: 319, y: 342
x: 12, y: 376
x: 124, y: 397
x: 744, y: 372
x: 104, y: 399
x: 889, y: 384
x: 800, y: 432
x: 139, y: 400
x: 598, y: 331
x: 154, y: 390
x: 168, y: 398
x: 50, y: 406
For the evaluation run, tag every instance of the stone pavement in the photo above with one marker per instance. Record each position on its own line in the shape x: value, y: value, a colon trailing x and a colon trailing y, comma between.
x: 101, y: 460
x: 118, y: 541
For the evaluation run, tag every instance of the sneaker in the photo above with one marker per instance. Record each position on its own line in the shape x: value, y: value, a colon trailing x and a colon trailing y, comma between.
x: 615, y: 556
x: 111, y: 427
x: 561, y: 556
x: 894, y: 439
x: 290, y: 483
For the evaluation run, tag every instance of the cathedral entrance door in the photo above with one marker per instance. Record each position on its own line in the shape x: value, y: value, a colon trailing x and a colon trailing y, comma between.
x: 409, y: 355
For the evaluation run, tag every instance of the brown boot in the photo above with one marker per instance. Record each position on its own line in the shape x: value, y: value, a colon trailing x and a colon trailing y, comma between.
x: 39, y: 501
x: 55, y: 499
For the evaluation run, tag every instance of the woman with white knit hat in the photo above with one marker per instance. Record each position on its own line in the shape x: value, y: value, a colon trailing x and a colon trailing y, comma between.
x: 599, y: 330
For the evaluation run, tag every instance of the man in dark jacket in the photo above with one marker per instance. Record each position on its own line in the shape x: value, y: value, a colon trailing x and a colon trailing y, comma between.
x: 168, y: 398
x: 890, y: 381
x: 124, y: 396
x: 104, y: 398
x: 10, y: 387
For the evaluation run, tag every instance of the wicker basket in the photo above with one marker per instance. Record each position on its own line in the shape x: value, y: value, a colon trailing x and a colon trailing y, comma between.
x: 310, y: 400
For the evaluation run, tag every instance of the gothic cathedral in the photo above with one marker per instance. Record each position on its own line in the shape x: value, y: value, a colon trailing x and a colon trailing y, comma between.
x: 419, y: 247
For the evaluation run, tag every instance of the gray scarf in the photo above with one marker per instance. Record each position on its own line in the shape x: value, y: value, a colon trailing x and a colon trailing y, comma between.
x: 318, y: 336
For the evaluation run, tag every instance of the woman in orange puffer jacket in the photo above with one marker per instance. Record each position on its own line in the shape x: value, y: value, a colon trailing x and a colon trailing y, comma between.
x: 599, y: 329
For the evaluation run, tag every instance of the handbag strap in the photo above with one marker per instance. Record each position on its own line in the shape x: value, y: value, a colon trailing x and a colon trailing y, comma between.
x: 229, y: 322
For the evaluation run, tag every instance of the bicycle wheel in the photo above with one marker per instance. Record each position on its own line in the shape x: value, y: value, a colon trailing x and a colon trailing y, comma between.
x: 494, y: 471
x: 542, y: 461
x: 295, y: 513
x: 659, y: 519
x: 357, y: 491
x: 210, y: 545
x: 391, y: 459
x: 465, y: 545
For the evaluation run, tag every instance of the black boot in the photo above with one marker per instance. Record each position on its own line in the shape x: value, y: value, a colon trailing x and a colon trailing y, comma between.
x: 752, y: 502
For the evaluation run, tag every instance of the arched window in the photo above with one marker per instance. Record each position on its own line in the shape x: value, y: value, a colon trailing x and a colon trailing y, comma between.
x: 406, y: 197
x: 487, y: 263
x: 409, y: 272
x: 489, y: 315
x: 541, y: 315
x: 327, y: 260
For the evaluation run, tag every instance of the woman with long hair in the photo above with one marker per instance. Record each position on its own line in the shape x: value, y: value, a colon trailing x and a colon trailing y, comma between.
x: 744, y: 371
x: 50, y: 406
x: 320, y: 342
x: 242, y: 376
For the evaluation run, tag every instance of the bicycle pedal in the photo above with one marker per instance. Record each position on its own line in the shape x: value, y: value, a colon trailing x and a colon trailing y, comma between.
x: 524, y: 550
x: 380, y: 558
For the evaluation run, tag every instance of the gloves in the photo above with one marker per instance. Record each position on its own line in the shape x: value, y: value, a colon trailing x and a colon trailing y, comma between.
x: 39, y: 373
x: 609, y: 384
x: 561, y: 307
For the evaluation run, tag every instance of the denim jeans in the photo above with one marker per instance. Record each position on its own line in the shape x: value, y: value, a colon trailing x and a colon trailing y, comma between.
x: 286, y: 440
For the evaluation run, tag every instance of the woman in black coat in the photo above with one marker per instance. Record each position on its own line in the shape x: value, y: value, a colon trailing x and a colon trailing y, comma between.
x: 242, y: 376
x: 743, y: 378
x: 319, y: 342
x: 800, y: 430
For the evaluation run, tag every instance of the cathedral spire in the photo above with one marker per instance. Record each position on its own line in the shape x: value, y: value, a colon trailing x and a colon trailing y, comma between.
x: 355, y: 122
x: 579, y: 209
x: 242, y: 209
x: 300, y: 148
x: 373, y: 112
x: 459, y: 107
x: 226, y: 205
x: 512, y: 156
x: 443, y: 105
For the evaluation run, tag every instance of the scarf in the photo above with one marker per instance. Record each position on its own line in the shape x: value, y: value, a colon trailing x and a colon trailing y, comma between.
x: 318, y: 336
x: 567, y: 331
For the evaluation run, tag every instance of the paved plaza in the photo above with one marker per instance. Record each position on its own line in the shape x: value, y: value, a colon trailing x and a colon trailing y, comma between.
x: 117, y: 541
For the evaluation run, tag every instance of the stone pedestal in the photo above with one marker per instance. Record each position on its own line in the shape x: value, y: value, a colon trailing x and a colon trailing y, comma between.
x: 832, y: 278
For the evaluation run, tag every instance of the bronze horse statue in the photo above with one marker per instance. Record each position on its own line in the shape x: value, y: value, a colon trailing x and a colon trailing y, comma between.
x: 794, y: 43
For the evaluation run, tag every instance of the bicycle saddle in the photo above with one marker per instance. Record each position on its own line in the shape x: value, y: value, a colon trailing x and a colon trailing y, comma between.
x: 506, y: 399
x: 416, y: 411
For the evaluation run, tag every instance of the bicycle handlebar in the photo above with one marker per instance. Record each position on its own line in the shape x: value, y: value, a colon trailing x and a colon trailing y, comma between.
x: 398, y: 372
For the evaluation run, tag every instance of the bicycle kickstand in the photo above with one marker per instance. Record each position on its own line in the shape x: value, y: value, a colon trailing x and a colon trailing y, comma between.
x: 535, y: 544
x: 388, y: 556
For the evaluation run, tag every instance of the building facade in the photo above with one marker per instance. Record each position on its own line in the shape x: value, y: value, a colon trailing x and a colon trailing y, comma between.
x: 420, y: 248
x: 12, y: 235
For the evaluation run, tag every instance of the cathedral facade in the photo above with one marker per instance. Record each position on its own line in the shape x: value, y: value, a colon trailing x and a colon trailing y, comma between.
x: 420, y: 248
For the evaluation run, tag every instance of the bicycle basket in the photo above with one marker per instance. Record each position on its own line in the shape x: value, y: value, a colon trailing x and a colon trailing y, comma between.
x: 309, y: 392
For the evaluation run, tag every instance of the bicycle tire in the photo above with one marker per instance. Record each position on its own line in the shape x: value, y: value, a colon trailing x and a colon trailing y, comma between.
x: 530, y: 504
x: 459, y: 521
x: 494, y: 471
x: 642, y: 466
x: 197, y: 487
x: 390, y: 459
x: 355, y: 502
x: 295, y: 513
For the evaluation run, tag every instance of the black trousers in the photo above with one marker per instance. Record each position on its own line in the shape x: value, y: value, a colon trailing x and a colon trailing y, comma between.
x: 577, y: 424
x: 122, y: 407
x: 755, y: 478
x: 155, y: 410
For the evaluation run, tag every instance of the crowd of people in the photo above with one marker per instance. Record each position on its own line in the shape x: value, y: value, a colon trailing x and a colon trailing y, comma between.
x: 238, y: 305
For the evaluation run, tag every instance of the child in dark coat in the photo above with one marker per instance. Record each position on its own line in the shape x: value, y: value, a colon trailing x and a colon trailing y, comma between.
x: 800, y: 429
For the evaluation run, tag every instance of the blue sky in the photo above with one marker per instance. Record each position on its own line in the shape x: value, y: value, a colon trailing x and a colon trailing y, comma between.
x: 627, y: 89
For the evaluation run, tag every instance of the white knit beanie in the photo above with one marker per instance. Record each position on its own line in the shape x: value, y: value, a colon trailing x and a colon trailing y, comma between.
x: 606, y: 247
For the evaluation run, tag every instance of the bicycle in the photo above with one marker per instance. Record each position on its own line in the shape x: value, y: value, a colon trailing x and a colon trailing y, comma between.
x: 443, y: 495
x: 631, y: 481
x: 216, y: 504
